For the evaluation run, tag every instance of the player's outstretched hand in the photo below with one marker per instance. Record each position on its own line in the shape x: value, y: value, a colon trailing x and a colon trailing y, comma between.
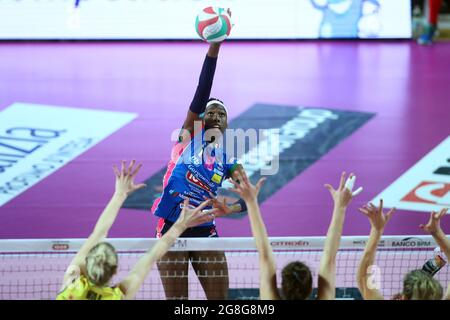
x: 244, y: 188
x: 125, y: 178
x: 378, y: 219
x: 191, y: 217
x: 434, y: 224
x: 221, y: 207
x: 343, y: 195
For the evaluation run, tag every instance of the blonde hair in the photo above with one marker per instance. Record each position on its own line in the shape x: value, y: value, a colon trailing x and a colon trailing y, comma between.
x: 101, y: 263
x: 419, y: 285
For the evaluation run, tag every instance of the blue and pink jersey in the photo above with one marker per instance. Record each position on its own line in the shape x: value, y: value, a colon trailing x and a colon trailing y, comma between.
x: 195, y: 169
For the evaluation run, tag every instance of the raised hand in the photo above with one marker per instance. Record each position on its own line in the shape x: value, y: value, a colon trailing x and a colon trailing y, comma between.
x: 342, y: 196
x: 191, y: 217
x: 378, y: 219
x: 245, y: 189
x: 434, y: 224
x: 222, y: 209
x: 125, y: 178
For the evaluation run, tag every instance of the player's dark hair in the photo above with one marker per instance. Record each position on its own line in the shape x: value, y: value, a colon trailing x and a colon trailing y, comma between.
x: 296, y: 283
x: 215, y: 99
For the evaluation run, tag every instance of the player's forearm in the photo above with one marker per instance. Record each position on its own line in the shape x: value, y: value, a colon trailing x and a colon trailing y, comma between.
x: 213, y: 50
x: 327, y: 270
x: 267, y: 264
x: 203, y: 91
x: 368, y: 259
x: 259, y: 232
x: 109, y: 214
x: 163, y: 245
x: 334, y: 234
x: 443, y: 242
x: 144, y: 265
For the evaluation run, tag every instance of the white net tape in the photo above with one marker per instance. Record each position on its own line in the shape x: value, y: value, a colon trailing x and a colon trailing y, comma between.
x: 33, y: 269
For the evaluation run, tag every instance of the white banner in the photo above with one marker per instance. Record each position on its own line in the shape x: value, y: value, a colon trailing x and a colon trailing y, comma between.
x: 424, y: 187
x: 37, y: 140
x: 174, y: 19
x: 128, y: 245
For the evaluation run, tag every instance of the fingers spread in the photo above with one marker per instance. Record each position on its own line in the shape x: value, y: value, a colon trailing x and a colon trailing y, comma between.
x: 202, y: 205
x: 390, y: 213
x: 135, y: 172
x: 130, y: 167
x: 238, y: 191
x: 443, y: 212
x: 140, y: 186
x: 245, y: 178
x: 330, y: 188
x: 234, y: 183
x: 342, y: 182
x: 260, y: 183
x: 350, y: 183
x: 122, y: 169
x: 357, y: 191
x: 116, y: 171
x: 364, y: 210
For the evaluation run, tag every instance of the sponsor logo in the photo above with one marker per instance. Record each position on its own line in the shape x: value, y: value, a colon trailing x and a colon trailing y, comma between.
x: 192, y: 179
x: 196, y: 161
x: 216, y: 178
x: 430, y: 192
x: 180, y: 244
x: 362, y: 243
x: 299, y: 243
x: 32, y: 148
x: 424, y: 187
x: 60, y: 246
x: 359, y: 243
x: 412, y: 242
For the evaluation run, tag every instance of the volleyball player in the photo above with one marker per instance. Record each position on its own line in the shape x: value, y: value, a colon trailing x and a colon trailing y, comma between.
x: 197, y: 168
x: 91, y: 270
x: 417, y: 284
x: 431, y: 24
x: 297, y: 283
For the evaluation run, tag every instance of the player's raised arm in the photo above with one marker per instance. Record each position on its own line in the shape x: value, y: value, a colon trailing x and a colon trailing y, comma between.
x: 268, y: 280
x: 378, y: 221
x: 433, y: 227
x: 124, y: 186
x: 203, y: 91
x: 188, y: 218
x: 342, y: 197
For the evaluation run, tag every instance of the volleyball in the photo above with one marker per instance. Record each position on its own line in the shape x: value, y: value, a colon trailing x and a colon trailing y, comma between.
x: 213, y: 24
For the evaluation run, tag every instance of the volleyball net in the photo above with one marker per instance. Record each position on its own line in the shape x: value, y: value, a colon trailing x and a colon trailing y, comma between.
x: 34, y: 269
